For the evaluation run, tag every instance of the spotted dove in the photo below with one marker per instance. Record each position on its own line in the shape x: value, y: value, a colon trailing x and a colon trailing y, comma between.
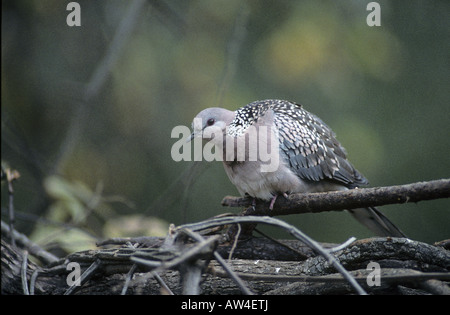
x: 305, y: 155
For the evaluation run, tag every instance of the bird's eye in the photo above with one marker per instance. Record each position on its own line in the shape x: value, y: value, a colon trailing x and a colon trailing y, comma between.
x: 210, y: 122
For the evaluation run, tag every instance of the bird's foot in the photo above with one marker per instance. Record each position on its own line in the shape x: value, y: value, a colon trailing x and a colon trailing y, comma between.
x: 274, y: 198
x: 272, y: 202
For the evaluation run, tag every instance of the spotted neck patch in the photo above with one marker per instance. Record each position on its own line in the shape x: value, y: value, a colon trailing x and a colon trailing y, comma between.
x: 249, y: 114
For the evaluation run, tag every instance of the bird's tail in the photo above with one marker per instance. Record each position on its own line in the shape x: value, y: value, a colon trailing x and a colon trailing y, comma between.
x: 375, y: 220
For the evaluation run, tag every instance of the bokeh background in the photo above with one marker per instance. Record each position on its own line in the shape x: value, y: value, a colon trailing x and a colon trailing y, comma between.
x: 87, y: 112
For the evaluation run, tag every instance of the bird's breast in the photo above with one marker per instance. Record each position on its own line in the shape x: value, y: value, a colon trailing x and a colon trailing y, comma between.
x: 249, y: 179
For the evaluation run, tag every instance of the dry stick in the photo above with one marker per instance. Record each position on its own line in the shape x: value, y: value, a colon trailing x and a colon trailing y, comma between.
x: 291, y: 229
x: 128, y: 279
x: 11, y: 175
x: 349, y: 199
x: 343, y: 245
x: 33, y: 248
x: 33, y: 278
x: 222, y: 262
x: 162, y: 283
x: 24, y: 273
x: 85, y: 276
x: 155, y: 275
x: 236, y: 238
x: 412, y: 276
x: 197, y: 250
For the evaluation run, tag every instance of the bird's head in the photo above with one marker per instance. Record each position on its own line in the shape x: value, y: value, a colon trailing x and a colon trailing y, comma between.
x: 210, y: 122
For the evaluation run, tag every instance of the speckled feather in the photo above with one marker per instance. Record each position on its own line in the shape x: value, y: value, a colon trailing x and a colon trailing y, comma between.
x: 307, y: 144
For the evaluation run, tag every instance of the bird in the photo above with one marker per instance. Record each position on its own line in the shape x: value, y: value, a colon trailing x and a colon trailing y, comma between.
x: 308, y: 157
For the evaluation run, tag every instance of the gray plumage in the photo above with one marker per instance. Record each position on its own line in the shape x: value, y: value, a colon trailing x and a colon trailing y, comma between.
x: 310, y: 159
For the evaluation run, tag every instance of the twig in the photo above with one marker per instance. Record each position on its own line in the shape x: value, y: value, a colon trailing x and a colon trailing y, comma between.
x: 24, y: 273
x: 191, y: 275
x: 236, y: 238
x: 128, y: 279
x: 291, y: 229
x: 343, y: 245
x: 33, y: 248
x: 11, y: 176
x: 197, y: 250
x: 33, y: 278
x: 187, y: 263
x: 222, y: 262
x: 85, y: 276
x: 161, y: 282
x: 349, y: 199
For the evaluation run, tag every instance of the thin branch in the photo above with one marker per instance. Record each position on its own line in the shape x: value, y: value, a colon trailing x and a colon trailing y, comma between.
x: 85, y: 276
x: 162, y: 283
x: 236, y: 238
x: 291, y: 229
x: 343, y: 245
x: 128, y: 279
x: 396, y: 257
x: 33, y: 278
x: 24, y: 273
x: 222, y: 262
x: 33, y: 248
x: 349, y: 199
x: 197, y: 250
x: 11, y: 176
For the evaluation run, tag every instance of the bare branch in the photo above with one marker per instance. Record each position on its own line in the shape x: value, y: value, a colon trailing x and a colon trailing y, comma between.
x: 407, y: 267
x: 222, y: 262
x: 349, y: 199
x: 33, y: 248
x: 291, y: 229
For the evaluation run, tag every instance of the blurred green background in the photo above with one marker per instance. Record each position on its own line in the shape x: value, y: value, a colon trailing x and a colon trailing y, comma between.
x: 87, y: 112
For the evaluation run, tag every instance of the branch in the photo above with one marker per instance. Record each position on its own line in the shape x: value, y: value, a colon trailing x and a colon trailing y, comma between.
x: 349, y: 199
x: 407, y: 267
x: 291, y: 229
x: 33, y: 248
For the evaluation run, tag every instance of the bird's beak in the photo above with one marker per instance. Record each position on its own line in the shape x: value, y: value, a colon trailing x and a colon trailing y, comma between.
x: 192, y: 136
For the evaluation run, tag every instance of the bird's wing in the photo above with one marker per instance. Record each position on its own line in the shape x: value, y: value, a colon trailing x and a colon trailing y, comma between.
x: 311, y: 149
